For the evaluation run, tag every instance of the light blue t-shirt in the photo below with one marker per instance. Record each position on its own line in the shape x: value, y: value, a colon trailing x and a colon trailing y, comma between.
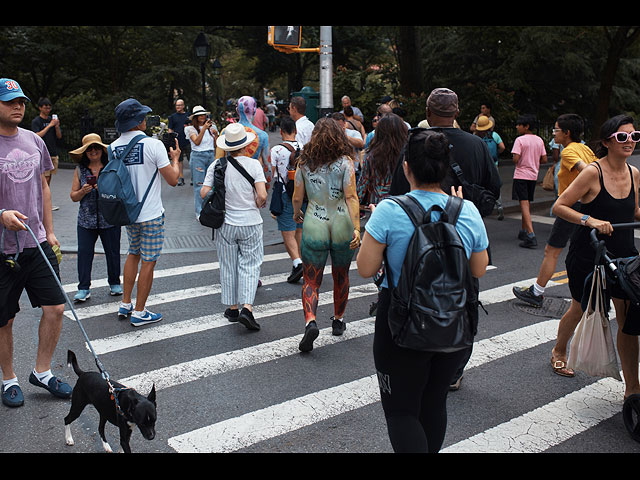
x: 389, y: 224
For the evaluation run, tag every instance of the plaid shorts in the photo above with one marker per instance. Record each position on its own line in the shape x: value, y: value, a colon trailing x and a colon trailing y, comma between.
x: 146, y: 238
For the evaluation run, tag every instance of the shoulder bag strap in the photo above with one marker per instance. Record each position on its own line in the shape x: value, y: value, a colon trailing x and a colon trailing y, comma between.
x: 241, y: 169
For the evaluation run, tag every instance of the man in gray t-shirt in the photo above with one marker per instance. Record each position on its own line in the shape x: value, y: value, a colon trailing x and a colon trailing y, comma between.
x: 25, y: 199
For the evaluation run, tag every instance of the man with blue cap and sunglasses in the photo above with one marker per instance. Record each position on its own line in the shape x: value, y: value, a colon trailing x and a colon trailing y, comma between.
x: 146, y: 234
x: 25, y: 199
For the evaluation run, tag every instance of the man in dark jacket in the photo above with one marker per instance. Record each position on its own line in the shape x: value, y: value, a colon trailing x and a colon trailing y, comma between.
x: 468, y: 151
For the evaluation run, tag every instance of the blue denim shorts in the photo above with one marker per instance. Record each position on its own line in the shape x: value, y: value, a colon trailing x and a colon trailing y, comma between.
x: 146, y: 239
x: 285, y: 219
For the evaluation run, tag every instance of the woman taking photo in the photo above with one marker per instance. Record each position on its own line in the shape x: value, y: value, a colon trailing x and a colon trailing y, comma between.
x: 415, y: 405
x: 202, y: 134
x: 608, y: 191
x: 92, y: 157
x: 331, y: 222
x: 239, y: 239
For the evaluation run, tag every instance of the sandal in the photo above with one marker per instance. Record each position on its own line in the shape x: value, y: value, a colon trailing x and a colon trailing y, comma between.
x: 560, y: 367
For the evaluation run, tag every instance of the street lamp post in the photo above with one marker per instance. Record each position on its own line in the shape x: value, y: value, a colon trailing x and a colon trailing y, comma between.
x: 202, y: 50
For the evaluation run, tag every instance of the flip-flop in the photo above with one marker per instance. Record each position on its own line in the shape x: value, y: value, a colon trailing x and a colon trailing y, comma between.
x: 560, y: 368
x: 631, y: 415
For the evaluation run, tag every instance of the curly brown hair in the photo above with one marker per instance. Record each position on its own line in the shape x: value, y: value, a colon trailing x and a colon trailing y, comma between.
x: 328, y: 143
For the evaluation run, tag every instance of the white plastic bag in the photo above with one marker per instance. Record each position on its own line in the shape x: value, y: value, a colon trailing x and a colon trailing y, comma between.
x: 592, y: 350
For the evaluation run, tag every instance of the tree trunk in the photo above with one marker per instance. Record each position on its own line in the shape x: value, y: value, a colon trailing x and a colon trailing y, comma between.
x: 409, y: 61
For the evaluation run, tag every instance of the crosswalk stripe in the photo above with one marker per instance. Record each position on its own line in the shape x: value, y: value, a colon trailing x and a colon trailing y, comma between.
x: 174, y: 296
x: 175, y: 271
x: 242, y: 431
x: 550, y: 424
x: 200, y: 324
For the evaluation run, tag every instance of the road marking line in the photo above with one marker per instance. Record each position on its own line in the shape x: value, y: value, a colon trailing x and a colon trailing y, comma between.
x: 252, y: 427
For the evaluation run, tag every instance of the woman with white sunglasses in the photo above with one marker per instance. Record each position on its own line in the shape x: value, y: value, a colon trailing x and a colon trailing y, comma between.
x: 608, y: 191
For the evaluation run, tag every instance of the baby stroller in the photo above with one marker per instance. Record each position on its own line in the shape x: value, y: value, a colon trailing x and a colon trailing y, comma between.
x: 625, y: 274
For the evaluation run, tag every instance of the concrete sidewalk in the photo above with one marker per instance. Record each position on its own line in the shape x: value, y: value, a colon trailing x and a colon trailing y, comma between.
x: 185, y: 234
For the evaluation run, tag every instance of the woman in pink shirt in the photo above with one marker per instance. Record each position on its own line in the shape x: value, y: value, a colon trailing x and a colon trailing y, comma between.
x: 528, y: 153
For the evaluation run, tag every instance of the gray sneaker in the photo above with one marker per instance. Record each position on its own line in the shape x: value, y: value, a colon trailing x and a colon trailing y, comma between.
x: 526, y: 295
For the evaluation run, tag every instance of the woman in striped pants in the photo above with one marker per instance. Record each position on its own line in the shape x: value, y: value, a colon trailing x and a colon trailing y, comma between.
x: 239, y: 239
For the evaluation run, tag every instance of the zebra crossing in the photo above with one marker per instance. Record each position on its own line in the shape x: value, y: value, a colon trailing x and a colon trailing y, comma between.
x: 536, y: 430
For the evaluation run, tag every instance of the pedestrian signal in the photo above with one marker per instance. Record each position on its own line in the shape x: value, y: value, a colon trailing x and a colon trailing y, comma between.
x: 284, y: 36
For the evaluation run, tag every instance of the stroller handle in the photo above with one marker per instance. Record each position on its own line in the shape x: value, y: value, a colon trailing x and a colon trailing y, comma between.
x: 599, y: 244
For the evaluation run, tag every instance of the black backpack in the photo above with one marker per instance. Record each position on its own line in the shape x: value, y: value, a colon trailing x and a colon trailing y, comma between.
x: 213, y: 204
x: 434, y: 307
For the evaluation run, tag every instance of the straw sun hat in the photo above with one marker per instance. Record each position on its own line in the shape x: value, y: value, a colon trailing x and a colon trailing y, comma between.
x: 87, y: 141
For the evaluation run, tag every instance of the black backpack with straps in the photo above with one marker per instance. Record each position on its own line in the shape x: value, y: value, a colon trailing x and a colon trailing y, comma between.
x: 434, y: 307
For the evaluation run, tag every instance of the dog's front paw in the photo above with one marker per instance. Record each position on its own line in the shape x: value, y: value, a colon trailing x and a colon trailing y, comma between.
x: 67, y: 436
x: 107, y: 447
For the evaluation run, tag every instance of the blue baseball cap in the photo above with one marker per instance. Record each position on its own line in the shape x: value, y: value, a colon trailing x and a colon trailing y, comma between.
x: 10, y: 89
x: 129, y: 114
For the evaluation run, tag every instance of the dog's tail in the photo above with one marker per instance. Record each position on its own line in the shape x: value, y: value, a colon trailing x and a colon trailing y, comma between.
x: 73, y: 362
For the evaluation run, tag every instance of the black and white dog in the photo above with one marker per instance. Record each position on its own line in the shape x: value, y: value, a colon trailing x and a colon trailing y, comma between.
x: 130, y: 410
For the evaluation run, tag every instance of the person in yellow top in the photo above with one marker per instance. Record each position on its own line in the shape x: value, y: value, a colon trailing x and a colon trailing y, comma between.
x: 575, y: 156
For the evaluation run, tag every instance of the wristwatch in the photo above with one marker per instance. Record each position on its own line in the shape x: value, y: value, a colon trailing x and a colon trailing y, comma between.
x: 583, y: 220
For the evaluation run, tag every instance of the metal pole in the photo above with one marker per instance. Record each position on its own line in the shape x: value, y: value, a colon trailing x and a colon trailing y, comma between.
x: 326, y: 72
x: 204, y: 94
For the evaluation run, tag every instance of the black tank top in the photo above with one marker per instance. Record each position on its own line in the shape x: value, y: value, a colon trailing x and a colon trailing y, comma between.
x: 615, y: 210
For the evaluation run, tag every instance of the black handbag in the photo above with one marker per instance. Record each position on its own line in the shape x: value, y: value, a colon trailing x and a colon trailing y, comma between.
x: 482, y: 198
x: 276, y: 207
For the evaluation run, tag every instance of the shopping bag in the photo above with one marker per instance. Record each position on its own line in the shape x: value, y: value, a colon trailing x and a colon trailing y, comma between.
x: 591, y: 349
x: 548, y: 181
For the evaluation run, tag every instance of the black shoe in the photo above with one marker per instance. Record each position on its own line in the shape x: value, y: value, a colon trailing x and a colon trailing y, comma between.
x: 296, y: 274
x: 246, y: 318
x: 530, y: 241
x: 522, y: 235
x: 338, y: 326
x: 526, y: 295
x: 500, y: 213
x: 180, y: 181
x: 310, y: 334
x: 232, y: 314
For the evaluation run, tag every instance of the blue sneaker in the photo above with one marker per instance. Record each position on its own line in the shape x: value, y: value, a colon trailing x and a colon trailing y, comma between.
x: 55, y: 386
x: 124, y: 311
x: 82, y: 295
x: 144, y: 318
x: 12, y: 396
x: 115, y: 290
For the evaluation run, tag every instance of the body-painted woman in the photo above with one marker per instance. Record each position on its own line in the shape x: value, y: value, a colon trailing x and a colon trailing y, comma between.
x: 331, y: 224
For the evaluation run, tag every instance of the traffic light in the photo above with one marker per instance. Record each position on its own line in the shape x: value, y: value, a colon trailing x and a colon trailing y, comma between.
x: 285, y: 36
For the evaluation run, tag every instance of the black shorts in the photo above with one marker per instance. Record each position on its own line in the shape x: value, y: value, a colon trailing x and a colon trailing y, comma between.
x: 523, y: 189
x: 561, y: 231
x: 34, y: 276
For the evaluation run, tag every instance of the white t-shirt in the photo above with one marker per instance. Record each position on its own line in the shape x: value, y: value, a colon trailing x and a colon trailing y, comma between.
x: 145, y: 158
x: 304, y: 127
x: 207, y: 139
x: 239, y: 200
x: 280, y: 158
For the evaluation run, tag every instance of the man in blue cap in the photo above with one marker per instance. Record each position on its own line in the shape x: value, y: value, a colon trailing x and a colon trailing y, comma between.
x: 146, y: 234
x: 25, y: 199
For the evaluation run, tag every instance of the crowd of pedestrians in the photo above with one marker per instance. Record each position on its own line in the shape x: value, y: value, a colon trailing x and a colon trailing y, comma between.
x: 331, y: 176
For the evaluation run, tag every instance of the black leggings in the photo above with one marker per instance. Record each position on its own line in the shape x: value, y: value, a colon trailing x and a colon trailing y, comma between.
x: 413, y: 388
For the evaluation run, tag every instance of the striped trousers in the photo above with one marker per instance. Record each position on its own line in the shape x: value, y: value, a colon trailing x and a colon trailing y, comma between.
x: 240, y: 254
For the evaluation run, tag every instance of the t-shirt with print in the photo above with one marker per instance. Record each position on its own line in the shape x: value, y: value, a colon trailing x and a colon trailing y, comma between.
x: 239, y: 199
x: 280, y: 156
x: 530, y: 148
x: 147, y: 156
x: 389, y: 224
x: 23, y: 159
x: 572, y: 154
